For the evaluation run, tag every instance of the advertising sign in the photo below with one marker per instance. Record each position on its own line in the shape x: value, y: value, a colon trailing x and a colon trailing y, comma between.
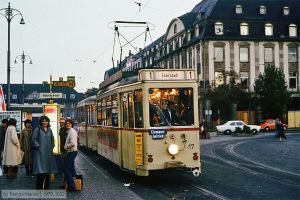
x: 138, y: 141
x: 53, y: 112
x: 13, y: 114
x: 2, y: 101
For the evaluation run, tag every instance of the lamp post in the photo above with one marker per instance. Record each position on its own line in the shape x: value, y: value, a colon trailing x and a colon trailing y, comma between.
x: 9, y: 13
x: 23, y: 59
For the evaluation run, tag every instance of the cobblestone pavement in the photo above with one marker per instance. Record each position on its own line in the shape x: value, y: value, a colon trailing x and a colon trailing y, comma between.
x: 97, y: 183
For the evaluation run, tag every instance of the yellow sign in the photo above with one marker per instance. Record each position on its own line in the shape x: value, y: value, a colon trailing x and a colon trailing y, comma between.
x: 138, y: 141
x: 63, y: 84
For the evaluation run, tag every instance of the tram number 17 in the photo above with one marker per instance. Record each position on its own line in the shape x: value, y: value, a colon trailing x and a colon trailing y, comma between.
x: 191, y: 146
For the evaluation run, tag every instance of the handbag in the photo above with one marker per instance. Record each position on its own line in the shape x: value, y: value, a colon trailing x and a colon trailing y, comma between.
x: 20, y: 156
x: 202, y: 128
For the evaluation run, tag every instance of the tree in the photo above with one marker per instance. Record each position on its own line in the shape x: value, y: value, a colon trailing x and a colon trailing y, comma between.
x: 224, y: 93
x: 271, y: 92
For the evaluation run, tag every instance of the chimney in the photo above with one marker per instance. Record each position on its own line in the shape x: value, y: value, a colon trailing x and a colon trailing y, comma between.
x: 129, y: 52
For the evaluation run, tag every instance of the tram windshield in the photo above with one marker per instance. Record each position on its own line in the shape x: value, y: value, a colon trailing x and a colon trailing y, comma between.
x: 171, y: 107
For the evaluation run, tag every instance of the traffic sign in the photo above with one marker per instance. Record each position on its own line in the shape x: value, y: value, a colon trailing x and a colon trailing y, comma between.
x: 63, y: 84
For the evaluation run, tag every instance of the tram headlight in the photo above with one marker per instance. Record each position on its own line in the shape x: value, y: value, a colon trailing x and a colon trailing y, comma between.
x: 173, y: 149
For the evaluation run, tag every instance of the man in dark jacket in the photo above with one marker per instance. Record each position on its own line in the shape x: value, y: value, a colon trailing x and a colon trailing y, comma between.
x: 63, y: 136
x: 171, y: 117
x: 2, y: 137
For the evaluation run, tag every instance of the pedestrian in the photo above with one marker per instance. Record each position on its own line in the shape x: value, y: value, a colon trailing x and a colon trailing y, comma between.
x: 281, y: 132
x: 71, y: 148
x: 204, y: 130
x: 25, y: 144
x: 3, y: 127
x: 276, y: 128
x: 11, y: 151
x: 63, y: 136
x: 43, y: 159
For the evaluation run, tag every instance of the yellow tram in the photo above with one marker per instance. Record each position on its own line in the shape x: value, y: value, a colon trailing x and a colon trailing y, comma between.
x: 145, y: 122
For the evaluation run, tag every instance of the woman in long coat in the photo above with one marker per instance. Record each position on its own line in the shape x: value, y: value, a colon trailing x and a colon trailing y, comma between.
x: 11, y: 148
x: 25, y: 142
x: 43, y: 159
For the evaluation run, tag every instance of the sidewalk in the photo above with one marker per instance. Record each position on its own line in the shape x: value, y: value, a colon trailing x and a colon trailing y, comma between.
x: 97, y: 184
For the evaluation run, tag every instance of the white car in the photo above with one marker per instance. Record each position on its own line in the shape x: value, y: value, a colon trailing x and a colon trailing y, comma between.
x: 230, y: 127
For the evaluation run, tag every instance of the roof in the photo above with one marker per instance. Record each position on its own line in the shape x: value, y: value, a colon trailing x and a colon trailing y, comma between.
x: 30, y: 89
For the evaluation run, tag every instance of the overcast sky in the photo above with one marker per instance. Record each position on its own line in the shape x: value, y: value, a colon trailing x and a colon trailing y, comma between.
x: 71, y: 37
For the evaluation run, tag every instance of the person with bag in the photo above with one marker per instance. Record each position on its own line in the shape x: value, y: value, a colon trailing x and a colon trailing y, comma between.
x: 12, y: 155
x: 43, y: 159
x: 204, y: 130
x: 25, y: 144
x: 71, y: 148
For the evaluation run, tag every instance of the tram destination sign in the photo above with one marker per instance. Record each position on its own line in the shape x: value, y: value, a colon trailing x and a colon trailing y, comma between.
x: 158, y: 133
x: 167, y: 75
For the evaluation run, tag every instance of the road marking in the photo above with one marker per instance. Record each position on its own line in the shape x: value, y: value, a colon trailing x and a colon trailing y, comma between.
x: 90, y: 162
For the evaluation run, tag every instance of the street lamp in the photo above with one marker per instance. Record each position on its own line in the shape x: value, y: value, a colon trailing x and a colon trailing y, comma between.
x: 23, y: 58
x: 9, y: 13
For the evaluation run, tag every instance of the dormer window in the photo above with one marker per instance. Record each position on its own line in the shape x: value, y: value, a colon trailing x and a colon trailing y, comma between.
x: 268, y: 29
x: 293, y: 30
x: 263, y: 10
x: 238, y: 9
x: 219, y: 28
x: 175, y: 28
x: 244, y: 29
x: 286, y: 10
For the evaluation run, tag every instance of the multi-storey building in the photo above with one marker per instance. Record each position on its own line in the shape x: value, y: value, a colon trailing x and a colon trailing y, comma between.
x: 241, y: 35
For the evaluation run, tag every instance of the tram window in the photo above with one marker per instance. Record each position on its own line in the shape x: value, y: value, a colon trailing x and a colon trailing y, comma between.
x: 125, y: 109
x: 171, y: 107
x: 99, y: 111
x: 138, y: 108
x: 103, y: 113
x: 108, y: 111
x: 130, y: 110
x: 114, y: 110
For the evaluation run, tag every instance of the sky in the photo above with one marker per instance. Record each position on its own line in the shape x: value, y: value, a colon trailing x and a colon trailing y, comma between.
x: 73, y: 38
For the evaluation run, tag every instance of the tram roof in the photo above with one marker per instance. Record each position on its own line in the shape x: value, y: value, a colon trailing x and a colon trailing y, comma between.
x: 87, y: 101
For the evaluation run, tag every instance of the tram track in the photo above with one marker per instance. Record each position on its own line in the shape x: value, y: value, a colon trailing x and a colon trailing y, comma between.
x: 247, y: 165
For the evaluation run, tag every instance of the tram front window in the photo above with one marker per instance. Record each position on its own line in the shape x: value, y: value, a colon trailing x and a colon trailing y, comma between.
x: 171, y: 107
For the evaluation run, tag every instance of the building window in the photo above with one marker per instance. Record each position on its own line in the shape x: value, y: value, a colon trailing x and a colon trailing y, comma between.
x: 244, y: 54
x: 244, y: 80
x: 190, y: 60
x: 268, y: 29
x: 292, y: 54
x: 293, y: 80
x: 72, y: 96
x: 293, y: 30
x: 64, y: 96
x: 269, y: 56
x: 14, y: 96
x: 244, y: 29
x: 175, y: 28
x: 219, y: 28
x: 286, y: 10
x: 238, y: 9
x: 263, y: 10
x: 219, y: 54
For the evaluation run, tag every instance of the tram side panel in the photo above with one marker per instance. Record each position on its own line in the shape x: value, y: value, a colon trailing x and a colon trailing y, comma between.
x: 128, y: 158
x: 108, y: 143
x: 82, y: 134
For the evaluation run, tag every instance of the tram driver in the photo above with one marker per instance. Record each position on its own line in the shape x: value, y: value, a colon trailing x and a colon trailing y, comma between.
x: 170, y: 115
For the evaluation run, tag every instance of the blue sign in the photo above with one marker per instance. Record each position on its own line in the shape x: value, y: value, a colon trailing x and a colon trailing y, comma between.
x: 158, y: 134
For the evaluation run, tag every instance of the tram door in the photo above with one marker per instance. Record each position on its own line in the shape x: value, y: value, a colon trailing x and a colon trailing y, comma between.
x: 127, y: 135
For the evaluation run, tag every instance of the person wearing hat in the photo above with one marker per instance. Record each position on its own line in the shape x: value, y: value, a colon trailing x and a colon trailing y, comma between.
x: 11, y: 148
x: 25, y: 144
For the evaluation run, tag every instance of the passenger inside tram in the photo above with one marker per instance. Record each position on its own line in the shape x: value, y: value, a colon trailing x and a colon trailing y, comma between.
x: 171, y: 107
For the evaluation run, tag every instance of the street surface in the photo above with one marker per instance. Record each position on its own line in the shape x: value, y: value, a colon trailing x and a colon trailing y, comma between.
x: 258, y: 167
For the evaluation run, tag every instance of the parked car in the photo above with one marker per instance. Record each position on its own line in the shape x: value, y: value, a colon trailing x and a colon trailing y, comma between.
x: 231, y: 126
x: 269, y: 124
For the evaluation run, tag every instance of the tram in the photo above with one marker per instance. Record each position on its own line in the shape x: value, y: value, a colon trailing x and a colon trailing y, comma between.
x: 148, y: 121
